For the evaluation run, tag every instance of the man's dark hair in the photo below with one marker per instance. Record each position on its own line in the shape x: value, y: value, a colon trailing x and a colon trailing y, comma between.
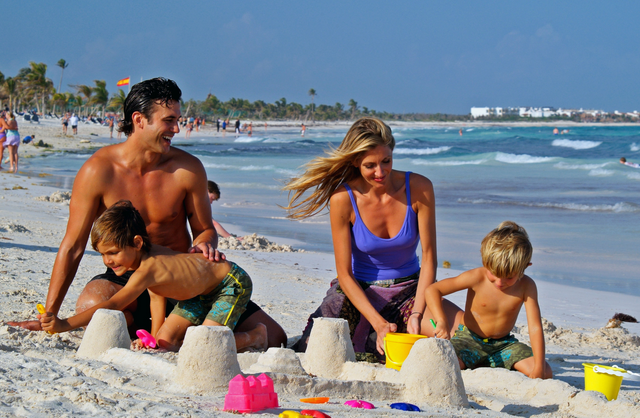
x: 143, y: 96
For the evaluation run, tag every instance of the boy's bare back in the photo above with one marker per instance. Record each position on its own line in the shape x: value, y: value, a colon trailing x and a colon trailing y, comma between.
x: 177, y: 275
x: 493, y: 304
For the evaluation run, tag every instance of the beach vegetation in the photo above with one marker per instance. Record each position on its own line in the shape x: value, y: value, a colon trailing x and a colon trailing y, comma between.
x: 62, y: 64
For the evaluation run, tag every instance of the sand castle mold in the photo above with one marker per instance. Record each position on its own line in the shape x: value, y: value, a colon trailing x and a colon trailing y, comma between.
x: 107, y: 329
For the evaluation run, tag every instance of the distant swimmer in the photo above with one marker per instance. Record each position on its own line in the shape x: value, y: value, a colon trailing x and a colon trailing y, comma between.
x: 303, y: 129
x: 555, y: 131
x: 630, y: 164
x: 460, y: 132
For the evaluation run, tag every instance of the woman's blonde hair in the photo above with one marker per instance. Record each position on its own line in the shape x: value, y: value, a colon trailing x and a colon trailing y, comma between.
x: 506, y: 251
x: 326, y: 174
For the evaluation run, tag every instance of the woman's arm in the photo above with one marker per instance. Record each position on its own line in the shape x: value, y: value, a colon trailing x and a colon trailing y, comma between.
x: 424, y: 204
x: 340, y: 214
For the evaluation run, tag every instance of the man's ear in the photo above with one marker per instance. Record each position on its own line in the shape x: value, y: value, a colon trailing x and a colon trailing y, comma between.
x: 138, y: 242
x: 137, y: 118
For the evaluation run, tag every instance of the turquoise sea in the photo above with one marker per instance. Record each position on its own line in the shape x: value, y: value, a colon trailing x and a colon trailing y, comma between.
x: 580, y: 206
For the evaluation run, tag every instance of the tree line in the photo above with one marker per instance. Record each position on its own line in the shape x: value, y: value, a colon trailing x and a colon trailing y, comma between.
x: 31, y: 88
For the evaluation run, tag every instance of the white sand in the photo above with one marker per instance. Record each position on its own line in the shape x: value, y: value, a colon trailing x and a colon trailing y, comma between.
x: 41, y: 374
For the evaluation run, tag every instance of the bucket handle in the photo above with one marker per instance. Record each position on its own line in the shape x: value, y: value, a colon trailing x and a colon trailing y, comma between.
x: 627, y: 374
x: 602, y: 370
x: 389, y: 359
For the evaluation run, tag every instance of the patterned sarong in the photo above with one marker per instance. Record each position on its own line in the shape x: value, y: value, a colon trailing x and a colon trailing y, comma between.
x: 393, y: 299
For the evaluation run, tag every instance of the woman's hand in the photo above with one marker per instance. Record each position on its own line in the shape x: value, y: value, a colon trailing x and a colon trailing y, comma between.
x: 382, y: 332
x: 413, y: 325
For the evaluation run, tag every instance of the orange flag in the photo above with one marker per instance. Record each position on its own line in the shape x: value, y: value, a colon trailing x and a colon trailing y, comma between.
x: 123, y: 82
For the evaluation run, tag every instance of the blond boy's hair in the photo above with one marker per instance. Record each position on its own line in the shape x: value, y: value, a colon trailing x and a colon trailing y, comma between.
x: 119, y: 225
x: 506, y: 251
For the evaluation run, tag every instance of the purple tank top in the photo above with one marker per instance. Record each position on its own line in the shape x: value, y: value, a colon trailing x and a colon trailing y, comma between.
x: 374, y: 258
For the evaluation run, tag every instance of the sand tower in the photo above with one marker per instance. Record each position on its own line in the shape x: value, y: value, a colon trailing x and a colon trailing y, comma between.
x: 208, y: 358
x: 107, y: 329
x: 329, y: 347
x: 432, y: 375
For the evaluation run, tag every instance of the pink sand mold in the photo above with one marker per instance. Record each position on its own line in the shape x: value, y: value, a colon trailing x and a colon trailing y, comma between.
x: 250, y: 394
x: 147, y: 339
x: 359, y: 404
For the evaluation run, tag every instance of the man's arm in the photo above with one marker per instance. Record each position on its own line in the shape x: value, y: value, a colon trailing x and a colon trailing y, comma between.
x: 198, y: 211
x: 536, y: 334
x: 123, y: 298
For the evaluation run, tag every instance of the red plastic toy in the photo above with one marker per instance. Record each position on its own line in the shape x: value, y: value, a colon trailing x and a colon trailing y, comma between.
x: 250, y: 394
x: 313, y: 413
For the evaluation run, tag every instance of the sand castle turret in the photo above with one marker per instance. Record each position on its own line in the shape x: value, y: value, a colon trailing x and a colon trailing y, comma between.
x: 329, y: 347
x: 207, y: 359
x: 107, y: 329
x: 431, y: 374
x: 278, y: 360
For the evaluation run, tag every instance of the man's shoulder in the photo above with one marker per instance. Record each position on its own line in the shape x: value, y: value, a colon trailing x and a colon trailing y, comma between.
x: 103, y: 160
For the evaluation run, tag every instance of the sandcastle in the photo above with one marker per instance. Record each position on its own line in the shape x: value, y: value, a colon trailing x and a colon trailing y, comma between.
x: 107, y: 329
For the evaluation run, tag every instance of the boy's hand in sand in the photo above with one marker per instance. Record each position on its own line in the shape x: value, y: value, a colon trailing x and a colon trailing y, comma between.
x: 208, y: 251
x: 52, y: 323
x: 382, y: 332
x: 442, y: 330
x: 30, y: 325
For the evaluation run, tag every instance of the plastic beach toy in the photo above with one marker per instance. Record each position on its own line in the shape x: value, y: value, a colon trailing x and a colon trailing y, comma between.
x: 359, y: 404
x: 251, y: 394
x: 41, y: 311
x: 293, y: 414
x: 313, y: 413
x: 403, y: 406
x: 147, y: 339
x: 314, y: 400
x: 605, y: 379
x: 397, y: 347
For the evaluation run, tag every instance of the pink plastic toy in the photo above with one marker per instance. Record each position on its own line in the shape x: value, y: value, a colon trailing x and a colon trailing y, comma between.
x: 147, y: 339
x: 359, y: 404
x: 251, y: 394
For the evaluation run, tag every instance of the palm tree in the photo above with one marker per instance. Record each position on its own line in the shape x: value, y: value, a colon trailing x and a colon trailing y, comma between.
x: 86, y: 91
x: 117, y: 101
x: 62, y: 64
x: 101, y: 97
x: 37, y: 79
x: 10, y: 85
x: 312, y: 93
x: 353, y: 105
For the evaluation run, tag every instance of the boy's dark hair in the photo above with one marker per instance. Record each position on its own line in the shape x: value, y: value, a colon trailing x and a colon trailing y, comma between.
x: 213, y: 187
x: 119, y: 225
x: 143, y: 96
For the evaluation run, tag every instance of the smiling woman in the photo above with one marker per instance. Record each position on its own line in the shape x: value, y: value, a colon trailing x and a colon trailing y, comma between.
x: 378, y: 217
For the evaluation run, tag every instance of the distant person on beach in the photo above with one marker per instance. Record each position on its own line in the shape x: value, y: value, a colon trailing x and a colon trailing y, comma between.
x: 12, y: 140
x: 73, y: 120
x: 28, y: 138
x: 218, y: 125
x: 378, y: 216
x: 303, y: 129
x: 628, y: 163
x: 208, y: 293
x: 110, y: 122
x: 224, y: 127
x: 3, y: 138
x: 65, y: 123
x: 495, y: 295
x: 187, y: 132
x: 169, y: 188
x: 214, y: 194
x: 250, y: 129
x: 265, y: 126
x: 237, y: 126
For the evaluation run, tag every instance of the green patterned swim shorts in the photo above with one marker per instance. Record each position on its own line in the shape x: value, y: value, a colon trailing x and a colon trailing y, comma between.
x: 475, y: 351
x: 223, y: 305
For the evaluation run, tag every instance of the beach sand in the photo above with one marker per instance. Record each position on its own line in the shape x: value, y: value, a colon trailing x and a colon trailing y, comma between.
x: 41, y: 375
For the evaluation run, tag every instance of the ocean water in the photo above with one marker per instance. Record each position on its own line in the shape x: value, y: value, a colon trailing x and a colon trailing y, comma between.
x: 580, y: 206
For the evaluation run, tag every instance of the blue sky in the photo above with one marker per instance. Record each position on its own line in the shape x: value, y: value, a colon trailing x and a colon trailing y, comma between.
x: 422, y: 56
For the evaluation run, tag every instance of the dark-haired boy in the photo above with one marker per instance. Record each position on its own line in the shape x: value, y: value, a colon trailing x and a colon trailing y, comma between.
x: 209, y: 293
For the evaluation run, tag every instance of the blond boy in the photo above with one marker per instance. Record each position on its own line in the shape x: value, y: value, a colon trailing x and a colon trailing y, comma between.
x: 209, y: 293
x: 495, y: 294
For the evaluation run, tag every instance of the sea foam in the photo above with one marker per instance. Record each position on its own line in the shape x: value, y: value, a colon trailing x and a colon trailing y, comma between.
x: 421, y: 151
x: 504, y: 157
x: 575, y: 144
x: 447, y: 163
x: 617, y: 208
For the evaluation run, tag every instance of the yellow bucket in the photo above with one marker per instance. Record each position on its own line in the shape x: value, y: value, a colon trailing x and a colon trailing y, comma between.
x: 397, y: 346
x: 607, y: 384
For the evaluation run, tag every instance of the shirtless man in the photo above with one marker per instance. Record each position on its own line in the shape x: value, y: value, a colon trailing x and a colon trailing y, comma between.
x: 167, y: 185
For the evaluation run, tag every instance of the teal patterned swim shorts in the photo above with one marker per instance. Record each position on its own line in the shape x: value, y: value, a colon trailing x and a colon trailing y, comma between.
x: 475, y: 351
x: 223, y: 305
